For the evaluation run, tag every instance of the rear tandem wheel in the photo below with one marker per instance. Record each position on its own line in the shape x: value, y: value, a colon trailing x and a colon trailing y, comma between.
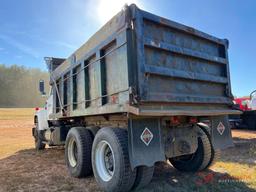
x: 198, y: 160
x: 78, y: 148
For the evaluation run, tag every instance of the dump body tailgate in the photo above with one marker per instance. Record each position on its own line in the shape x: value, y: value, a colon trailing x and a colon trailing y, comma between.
x: 180, y: 67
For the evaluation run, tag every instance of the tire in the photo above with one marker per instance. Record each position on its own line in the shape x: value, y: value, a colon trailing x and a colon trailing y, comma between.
x: 78, y: 148
x: 38, y: 134
x: 143, y: 177
x: 215, y: 153
x: 110, y: 160
x: 198, y: 160
x: 93, y: 130
x: 39, y: 143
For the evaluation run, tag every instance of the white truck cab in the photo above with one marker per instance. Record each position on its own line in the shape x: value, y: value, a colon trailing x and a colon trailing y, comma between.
x: 42, y: 131
x: 42, y: 115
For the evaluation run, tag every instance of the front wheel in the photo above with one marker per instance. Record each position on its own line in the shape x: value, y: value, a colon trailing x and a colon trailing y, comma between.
x: 38, y: 135
x: 110, y: 160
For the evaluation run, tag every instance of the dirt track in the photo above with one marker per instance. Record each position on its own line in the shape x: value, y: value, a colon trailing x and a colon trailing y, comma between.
x: 24, y: 169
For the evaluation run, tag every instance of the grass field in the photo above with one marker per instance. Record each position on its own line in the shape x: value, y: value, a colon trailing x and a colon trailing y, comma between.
x: 15, y: 130
x: 24, y: 169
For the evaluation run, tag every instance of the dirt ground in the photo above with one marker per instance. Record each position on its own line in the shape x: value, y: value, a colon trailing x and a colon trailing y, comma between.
x: 24, y: 169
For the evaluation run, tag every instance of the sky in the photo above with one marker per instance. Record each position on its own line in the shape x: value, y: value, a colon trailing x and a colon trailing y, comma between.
x: 33, y: 29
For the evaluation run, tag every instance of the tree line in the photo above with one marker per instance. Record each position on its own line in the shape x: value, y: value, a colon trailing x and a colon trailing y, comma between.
x: 19, y: 86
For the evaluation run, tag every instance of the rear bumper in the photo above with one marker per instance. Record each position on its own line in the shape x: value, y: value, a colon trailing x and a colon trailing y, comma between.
x: 142, y: 111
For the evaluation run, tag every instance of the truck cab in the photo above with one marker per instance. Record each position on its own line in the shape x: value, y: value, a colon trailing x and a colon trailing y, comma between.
x: 42, y: 115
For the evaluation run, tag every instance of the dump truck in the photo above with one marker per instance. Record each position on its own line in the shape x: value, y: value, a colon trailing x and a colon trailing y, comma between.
x: 141, y: 90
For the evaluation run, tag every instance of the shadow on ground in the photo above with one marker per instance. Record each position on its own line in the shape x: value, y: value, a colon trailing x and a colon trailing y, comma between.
x: 28, y: 170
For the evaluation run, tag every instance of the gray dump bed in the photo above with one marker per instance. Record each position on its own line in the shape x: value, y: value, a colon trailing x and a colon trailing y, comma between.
x: 146, y: 65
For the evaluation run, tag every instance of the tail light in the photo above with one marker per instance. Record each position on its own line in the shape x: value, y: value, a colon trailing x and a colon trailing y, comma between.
x: 193, y: 120
x: 175, y: 120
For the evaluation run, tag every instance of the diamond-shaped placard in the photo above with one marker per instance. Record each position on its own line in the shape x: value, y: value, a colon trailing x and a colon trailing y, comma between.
x: 146, y: 136
x: 221, y: 128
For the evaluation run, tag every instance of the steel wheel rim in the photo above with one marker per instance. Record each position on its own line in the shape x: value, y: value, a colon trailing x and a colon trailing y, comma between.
x: 72, y: 152
x: 105, y: 160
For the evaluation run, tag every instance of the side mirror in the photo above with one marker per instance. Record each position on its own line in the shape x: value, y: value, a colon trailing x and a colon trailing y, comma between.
x: 41, y: 87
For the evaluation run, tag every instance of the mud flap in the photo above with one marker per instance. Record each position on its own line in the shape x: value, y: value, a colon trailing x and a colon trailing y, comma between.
x: 221, y: 132
x: 145, y: 142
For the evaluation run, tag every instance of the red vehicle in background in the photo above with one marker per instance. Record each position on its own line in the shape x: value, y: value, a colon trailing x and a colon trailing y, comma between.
x: 248, y: 118
x: 242, y: 103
